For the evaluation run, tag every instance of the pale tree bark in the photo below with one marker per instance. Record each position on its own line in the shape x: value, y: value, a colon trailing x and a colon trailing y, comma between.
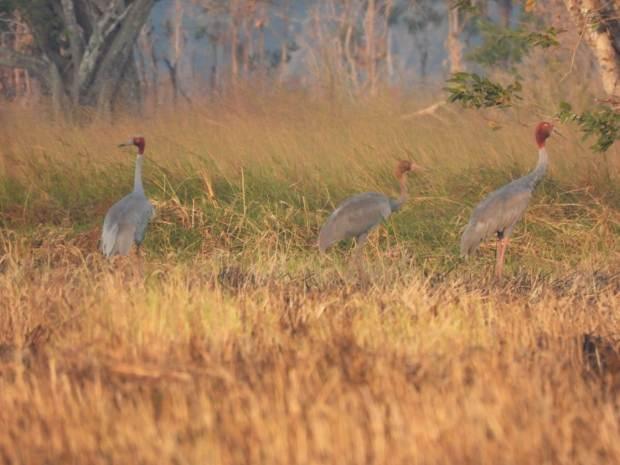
x: 215, y: 39
x: 248, y: 43
x: 177, y: 42
x: 76, y: 46
x: 234, y: 40
x: 388, y: 39
x: 261, y: 22
x: 284, y: 42
x: 349, y: 55
x: 599, y: 22
x: 453, y: 43
x: 371, y: 59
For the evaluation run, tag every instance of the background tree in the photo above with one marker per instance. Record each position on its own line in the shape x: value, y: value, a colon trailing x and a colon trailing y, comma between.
x: 598, y: 23
x: 82, y: 50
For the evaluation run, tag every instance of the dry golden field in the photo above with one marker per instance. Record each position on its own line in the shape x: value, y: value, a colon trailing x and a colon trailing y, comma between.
x: 234, y: 342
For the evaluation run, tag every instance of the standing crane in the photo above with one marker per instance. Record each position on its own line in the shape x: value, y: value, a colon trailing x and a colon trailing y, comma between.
x: 126, y: 221
x: 358, y: 215
x: 502, y: 209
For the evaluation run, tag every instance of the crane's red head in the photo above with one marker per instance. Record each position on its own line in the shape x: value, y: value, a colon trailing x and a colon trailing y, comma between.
x: 138, y: 141
x: 543, y: 131
x: 405, y: 166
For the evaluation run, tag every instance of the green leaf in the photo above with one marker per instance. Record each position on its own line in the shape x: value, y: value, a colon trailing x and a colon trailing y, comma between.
x: 601, y: 123
x: 474, y: 91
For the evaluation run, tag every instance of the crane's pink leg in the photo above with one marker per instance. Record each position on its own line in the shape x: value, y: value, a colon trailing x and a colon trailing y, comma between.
x: 501, y: 251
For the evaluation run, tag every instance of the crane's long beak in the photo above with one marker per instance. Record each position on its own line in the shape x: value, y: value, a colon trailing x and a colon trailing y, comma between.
x: 416, y: 167
x: 125, y: 144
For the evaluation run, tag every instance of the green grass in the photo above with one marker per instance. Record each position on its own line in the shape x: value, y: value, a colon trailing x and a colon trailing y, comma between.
x: 275, y: 179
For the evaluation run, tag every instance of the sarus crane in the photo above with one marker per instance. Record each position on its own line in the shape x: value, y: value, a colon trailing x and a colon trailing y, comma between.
x: 126, y: 221
x: 502, y: 209
x: 358, y: 215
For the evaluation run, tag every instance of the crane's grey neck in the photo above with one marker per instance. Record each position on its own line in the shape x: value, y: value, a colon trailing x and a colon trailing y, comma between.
x: 395, y: 204
x: 541, y: 167
x: 137, y: 179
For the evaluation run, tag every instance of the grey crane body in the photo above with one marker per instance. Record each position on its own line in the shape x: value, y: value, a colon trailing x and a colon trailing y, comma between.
x: 502, y: 209
x: 126, y: 221
x: 358, y: 215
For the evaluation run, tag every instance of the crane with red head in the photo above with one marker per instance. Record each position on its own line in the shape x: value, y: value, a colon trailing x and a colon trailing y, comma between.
x: 126, y: 221
x: 499, y: 212
x: 358, y: 215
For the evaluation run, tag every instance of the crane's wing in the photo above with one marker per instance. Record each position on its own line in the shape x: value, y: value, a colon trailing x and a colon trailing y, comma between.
x: 146, y: 213
x: 499, y: 211
x: 124, y: 238
x: 355, y: 216
x: 109, y: 233
x: 125, y: 223
x: 108, y: 238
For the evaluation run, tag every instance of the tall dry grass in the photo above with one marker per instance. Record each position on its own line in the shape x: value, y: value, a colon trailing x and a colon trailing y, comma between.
x: 233, y: 341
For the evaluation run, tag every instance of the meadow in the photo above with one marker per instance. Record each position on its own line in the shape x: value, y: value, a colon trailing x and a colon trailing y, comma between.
x: 233, y: 341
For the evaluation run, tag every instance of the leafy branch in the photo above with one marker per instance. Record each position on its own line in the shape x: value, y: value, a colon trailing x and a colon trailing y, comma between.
x: 603, y: 123
x: 466, y: 6
x: 504, y: 45
x: 474, y: 91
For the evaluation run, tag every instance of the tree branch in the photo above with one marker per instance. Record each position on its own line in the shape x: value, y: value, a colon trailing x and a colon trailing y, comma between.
x: 118, y: 51
x: 102, y: 29
x: 598, y: 32
x: 12, y: 59
x: 428, y: 111
x: 76, y: 44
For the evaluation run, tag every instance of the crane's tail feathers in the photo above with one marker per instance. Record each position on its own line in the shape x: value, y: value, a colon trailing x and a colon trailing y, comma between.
x: 125, y: 238
x: 108, y: 239
x: 118, y: 239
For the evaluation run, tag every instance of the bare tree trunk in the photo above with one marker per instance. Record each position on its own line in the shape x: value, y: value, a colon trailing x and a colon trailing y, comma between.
x: 453, y: 43
x: 599, y: 21
x: 371, y: 64
x: 15, y: 81
x: 215, y: 40
x: 140, y: 59
x: 107, y: 81
x: 284, y: 44
x: 76, y: 47
x: 505, y: 12
x: 348, y: 52
x: 28, y: 91
x: 58, y: 92
x: 388, y: 40
x: 174, y: 82
x: 234, y: 41
x: 247, y: 45
x: 260, y: 23
x: 130, y: 88
x: 177, y: 43
x: 148, y: 51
